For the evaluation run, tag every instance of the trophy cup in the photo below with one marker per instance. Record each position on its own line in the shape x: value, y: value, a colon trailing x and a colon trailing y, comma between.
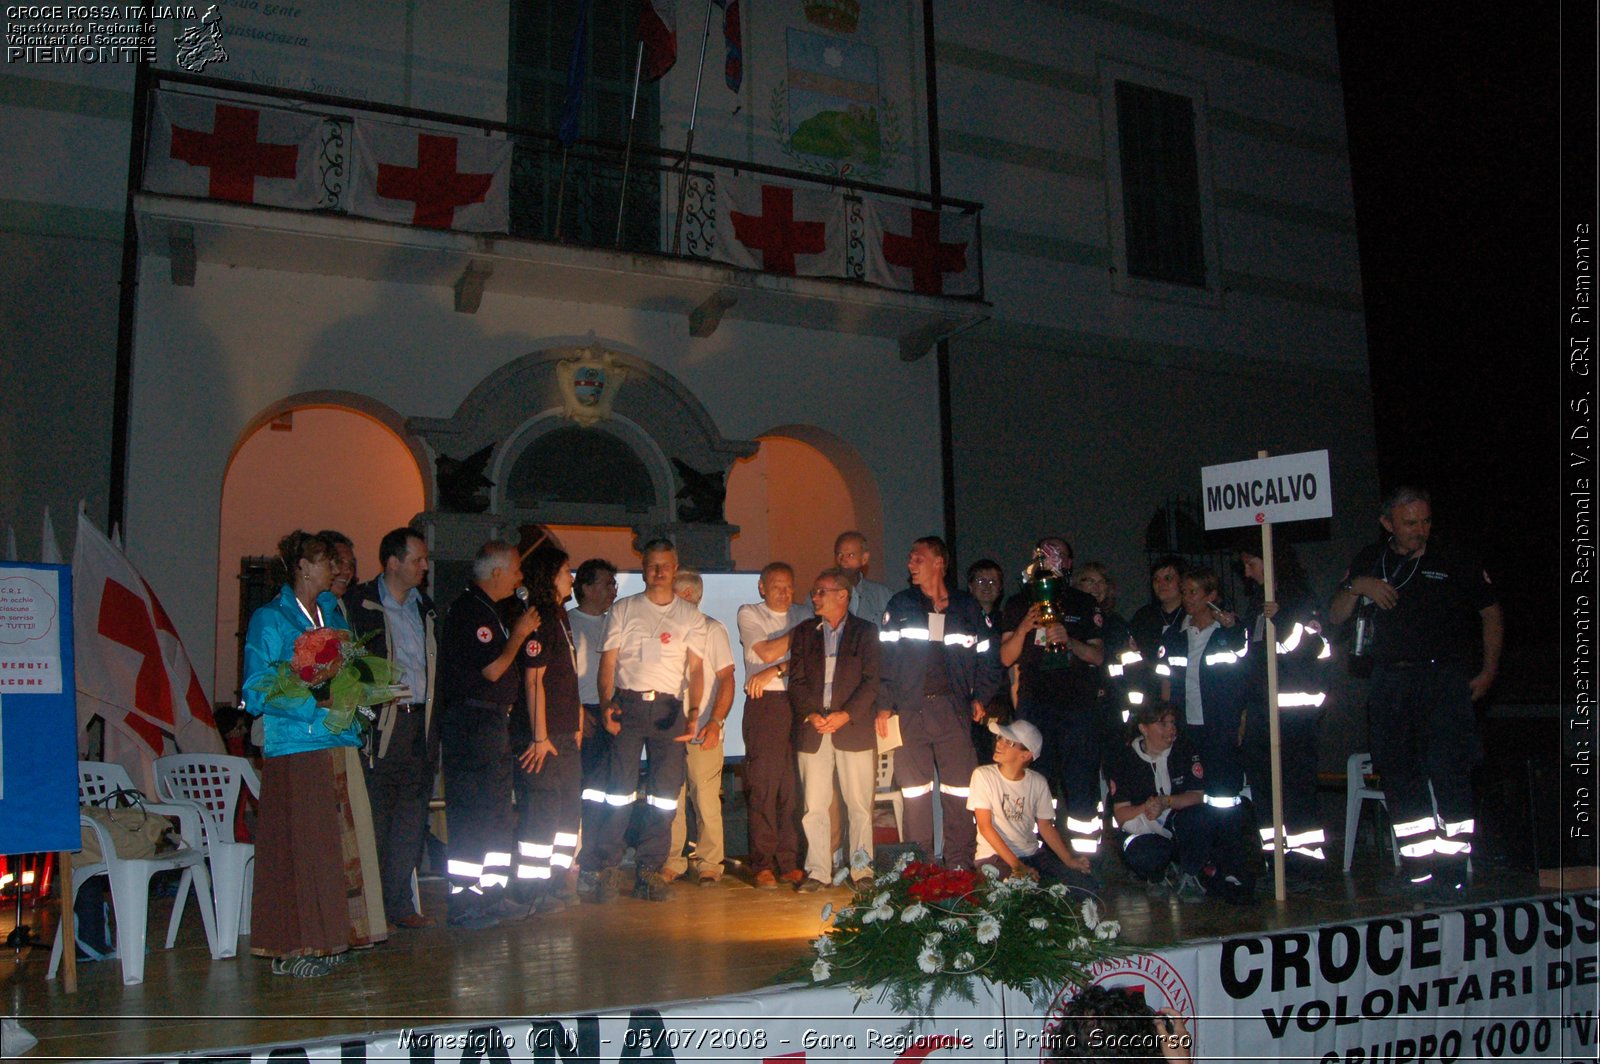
x: 1042, y: 578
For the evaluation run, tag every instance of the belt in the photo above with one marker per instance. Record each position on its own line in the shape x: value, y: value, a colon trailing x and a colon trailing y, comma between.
x: 478, y: 703
x: 648, y: 696
x: 1424, y: 663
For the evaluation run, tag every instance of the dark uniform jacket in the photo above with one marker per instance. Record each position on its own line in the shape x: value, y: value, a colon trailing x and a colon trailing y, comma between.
x: 364, y: 608
x: 971, y: 657
x: 856, y: 676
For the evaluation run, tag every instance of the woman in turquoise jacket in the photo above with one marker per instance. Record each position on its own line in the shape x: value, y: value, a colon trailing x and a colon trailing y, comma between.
x: 316, y: 884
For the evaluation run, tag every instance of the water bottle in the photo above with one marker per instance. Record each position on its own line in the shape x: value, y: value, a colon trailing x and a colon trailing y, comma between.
x: 1366, y: 627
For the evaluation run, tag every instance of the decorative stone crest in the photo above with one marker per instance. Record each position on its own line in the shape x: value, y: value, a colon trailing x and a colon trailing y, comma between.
x: 589, y: 385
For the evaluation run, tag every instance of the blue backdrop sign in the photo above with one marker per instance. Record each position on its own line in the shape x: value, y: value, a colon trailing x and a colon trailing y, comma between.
x: 38, y: 710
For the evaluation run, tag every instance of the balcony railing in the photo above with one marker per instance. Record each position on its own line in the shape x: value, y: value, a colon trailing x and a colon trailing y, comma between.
x: 598, y: 193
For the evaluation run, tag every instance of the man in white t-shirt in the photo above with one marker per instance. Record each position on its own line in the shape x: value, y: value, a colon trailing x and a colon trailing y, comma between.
x: 771, y: 778
x: 595, y: 589
x: 651, y: 644
x: 703, y: 759
x: 1014, y: 812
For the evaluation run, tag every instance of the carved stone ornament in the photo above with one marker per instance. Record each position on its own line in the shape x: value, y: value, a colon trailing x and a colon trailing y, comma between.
x: 589, y: 385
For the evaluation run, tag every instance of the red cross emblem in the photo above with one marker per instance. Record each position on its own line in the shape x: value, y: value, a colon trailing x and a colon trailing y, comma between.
x: 532, y: 648
x: 234, y: 154
x: 924, y: 254
x: 666, y: 637
x: 433, y: 184
x: 124, y: 620
x: 775, y: 233
x: 484, y: 635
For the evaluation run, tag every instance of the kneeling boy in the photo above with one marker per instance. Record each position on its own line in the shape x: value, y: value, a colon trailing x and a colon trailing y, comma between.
x: 1012, y: 805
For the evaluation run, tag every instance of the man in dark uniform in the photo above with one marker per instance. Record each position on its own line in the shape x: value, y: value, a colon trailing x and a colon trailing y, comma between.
x: 477, y: 688
x: 1436, y: 649
x: 1059, y: 687
x: 401, y: 749
x: 939, y: 672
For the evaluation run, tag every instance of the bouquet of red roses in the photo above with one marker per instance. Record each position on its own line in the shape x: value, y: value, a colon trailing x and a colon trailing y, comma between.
x: 331, y: 666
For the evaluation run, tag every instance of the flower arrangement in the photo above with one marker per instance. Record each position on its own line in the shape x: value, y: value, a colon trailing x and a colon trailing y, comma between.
x: 921, y: 933
x: 331, y: 665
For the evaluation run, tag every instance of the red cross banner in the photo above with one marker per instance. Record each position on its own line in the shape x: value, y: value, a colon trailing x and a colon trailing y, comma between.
x: 132, y: 669
x: 778, y: 228
x: 920, y: 250
x: 430, y: 178
x: 228, y: 150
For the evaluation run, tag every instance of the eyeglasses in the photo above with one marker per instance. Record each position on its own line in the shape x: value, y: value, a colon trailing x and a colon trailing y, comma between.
x: 818, y: 592
x: 986, y: 581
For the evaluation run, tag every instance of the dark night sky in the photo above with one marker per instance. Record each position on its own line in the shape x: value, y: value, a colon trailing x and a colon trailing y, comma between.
x: 1455, y: 154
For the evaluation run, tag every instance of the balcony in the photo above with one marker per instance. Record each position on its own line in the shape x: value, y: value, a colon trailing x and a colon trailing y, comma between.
x: 609, y: 231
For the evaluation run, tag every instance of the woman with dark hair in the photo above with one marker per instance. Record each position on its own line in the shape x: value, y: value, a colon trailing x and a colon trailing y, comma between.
x: 987, y: 583
x: 1109, y: 1023
x: 1303, y: 652
x: 546, y: 738
x: 317, y: 891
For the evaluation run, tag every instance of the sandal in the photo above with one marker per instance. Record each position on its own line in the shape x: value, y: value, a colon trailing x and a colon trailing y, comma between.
x: 301, y: 967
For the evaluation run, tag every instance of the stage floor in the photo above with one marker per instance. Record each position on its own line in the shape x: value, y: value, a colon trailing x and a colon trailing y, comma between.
x: 703, y: 942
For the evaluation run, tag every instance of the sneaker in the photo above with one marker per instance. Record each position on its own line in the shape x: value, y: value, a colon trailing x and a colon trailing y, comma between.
x: 598, y: 887
x: 1189, y: 889
x: 652, y: 886
x: 301, y: 967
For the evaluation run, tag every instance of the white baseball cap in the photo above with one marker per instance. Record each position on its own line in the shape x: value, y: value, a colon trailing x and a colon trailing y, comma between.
x: 1022, y: 733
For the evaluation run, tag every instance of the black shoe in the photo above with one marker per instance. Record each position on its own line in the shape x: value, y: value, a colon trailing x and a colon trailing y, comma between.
x: 652, y: 886
x: 475, y: 918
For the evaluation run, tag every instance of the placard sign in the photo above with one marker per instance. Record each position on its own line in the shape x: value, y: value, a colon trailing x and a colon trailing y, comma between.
x: 38, y: 710
x: 1289, y: 487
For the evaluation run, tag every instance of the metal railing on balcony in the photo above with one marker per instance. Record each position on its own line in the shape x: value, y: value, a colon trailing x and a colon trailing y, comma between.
x: 598, y: 193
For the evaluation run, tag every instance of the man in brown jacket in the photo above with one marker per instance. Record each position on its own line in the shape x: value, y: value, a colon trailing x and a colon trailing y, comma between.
x: 833, y: 689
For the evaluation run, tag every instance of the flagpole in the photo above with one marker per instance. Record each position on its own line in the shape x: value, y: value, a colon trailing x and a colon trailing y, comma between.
x: 627, y: 151
x: 688, y: 144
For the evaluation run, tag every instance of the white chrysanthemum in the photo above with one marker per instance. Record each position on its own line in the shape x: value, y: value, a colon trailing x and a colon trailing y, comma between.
x: 840, y: 876
x: 823, y: 946
x: 1091, y: 914
x: 988, y: 930
x: 932, y: 940
x: 883, y: 912
x: 1058, y: 890
x: 989, y: 870
x: 820, y: 970
x: 1038, y: 923
x: 914, y: 912
x: 859, y: 860
x: 827, y: 910
x: 887, y: 878
x: 954, y: 924
x: 930, y: 961
x: 1108, y: 929
x: 862, y: 993
x: 904, y: 859
x: 964, y: 961
x: 881, y: 900
x: 1079, y: 943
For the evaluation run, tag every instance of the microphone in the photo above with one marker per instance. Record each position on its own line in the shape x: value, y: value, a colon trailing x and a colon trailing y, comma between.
x: 522, y: 595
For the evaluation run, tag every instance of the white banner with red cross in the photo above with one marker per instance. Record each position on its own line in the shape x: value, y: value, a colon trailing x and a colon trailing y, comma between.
x: 919, y: 250
x: 230, y: 150
x: 779, y: 229
x: 132, y: 669
x: 431, y: 178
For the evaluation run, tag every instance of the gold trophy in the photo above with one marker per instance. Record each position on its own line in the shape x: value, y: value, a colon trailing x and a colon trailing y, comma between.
x: 1042, y: 578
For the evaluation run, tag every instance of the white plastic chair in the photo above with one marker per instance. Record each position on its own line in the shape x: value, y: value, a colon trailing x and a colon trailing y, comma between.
x: 1357, y: 791
x: 212, y: 782
x: 884, y: 790
x: 130, y: 878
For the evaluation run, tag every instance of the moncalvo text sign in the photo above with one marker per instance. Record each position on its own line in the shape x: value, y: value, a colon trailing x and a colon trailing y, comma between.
x: 1290, y: 487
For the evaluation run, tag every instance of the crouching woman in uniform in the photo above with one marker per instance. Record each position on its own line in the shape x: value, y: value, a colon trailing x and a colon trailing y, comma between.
x: 317, y: 890
x: 1157, y: 788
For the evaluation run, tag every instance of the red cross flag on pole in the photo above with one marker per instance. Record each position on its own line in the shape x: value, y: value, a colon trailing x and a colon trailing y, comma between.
x: 919, y: 250
x: 132, y: 669
x: 778, y: 228
x: 436, y: 179
x: 224, y: 149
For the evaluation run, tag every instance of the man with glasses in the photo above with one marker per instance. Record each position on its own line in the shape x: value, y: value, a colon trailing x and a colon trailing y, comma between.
x: 833, y: 689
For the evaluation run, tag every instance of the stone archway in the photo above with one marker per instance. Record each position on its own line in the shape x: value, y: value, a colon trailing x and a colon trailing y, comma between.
x: 648, y: 450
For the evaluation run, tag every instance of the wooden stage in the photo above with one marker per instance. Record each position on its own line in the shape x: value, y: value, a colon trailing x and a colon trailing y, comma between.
x: 703, y: 942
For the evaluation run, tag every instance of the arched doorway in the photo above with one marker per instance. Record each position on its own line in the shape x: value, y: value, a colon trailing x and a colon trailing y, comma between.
x: 794, y: 495
x: 313, y: 466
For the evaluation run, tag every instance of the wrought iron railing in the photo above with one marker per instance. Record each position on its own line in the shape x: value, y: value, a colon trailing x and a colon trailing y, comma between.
x: 598, y: 193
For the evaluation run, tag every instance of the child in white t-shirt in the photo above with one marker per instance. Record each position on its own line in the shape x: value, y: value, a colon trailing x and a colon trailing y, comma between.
x: 1012, y: 805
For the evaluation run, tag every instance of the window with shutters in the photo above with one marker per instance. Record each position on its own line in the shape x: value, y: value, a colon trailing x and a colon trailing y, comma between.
x: 542, y: 32
x: 1162, y: 231
x: 1160, y: 185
